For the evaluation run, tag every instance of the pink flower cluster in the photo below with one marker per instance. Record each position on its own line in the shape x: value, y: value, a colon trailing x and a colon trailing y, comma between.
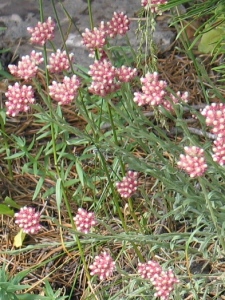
x: 219, y: 150
x: 28, y: 219
x: 193, y: 162
x: 103, y: 266
x: 154, y: 93
x: 128, y: 185
x: 126, y: 74
x: 84, y: 220
x: 168, y: 104
x: 19, y: 98
x: 103, y: 78
x: 42, y: 32
x: 118, y: 25
x: 96, y: 39
x: 215, y: 118
x: 27, y: 66
x: 64, y: 93
x: 107, y: 79
x: 153, y: 5
x: 153, y: 90
x: 163, y: 281
x: 59, y: 61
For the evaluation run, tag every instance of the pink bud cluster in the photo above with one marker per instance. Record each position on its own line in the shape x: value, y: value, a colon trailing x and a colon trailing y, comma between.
x: 215, y: 118
x: 150, y: 269
x: 103, y: 78
x: 96, y: 39
x: 154, y: 93
x: 84, y: 220
x: 153, y: 5
x: 153, y: 90
x: 103, y: 266
x: 163, y: 281
x: 126, y: 74
x: 59, y: 61
x: 128, y: 185
x: 28, y: 219
x: 118, y: 25
x: 219, y: 150
x: 19, y: 98
x: 65, y: 92
x: 42, y: 32
x: 27, y: 66
x: 168, y: 104
x: 107, y: 79
x: 193, y: 162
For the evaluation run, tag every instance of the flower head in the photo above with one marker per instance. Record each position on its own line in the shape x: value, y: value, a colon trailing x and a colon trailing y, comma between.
x: 153, y: 5
x: 27, y: 66
x: 125, y: 74
x: 219, y: 151
x: 215, y: 117
x: 168, y: 105
x: 163, y: 281
x: 42, y: 32
x: 150, y: 269
x: 103, y: 75
x: 193, y: 162
x: 59, y: 61
x: 84, y: 220
x: 164, y: 284
x: 118, y: 25
x: 65, y: 92
x: 19, y: 98
x: 103, y: 266
x: 128, y: 185
x: 28, y: 219
x: 153, y: 90
x: 94, y: 39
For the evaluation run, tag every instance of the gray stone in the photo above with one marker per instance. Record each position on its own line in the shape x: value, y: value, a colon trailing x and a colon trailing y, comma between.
x: 17, y: 15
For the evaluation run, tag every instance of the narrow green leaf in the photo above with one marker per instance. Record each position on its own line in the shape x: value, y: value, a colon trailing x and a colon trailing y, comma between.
x: 11, y: 203
x: 38, y: 187
x: 58, y: 193
x: 80, y: 173
x: 5, y: 210
x: 16, y: 155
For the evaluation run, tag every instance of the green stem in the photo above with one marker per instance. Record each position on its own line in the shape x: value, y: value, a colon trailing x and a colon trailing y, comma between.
x: 115, y: 135
x: 48, y: 97
x: 61, y: 33
x: 90, y: 14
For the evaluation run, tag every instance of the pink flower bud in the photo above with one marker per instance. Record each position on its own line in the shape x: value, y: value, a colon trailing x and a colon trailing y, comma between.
x: 84, y: 220
x: 28, y: 219
x: 103, y: 266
